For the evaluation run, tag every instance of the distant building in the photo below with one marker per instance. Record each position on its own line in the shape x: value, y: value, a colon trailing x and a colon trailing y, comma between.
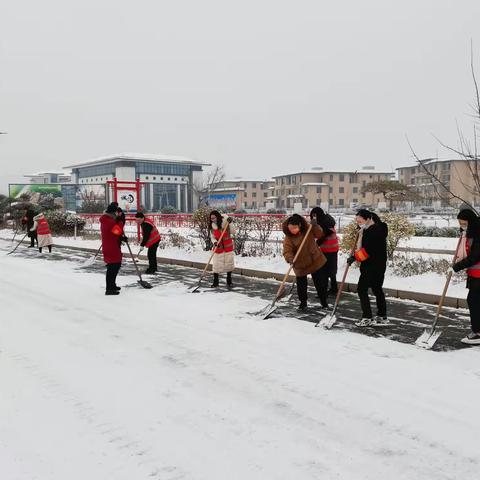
x: 49, y: 177
x: 327, y: 188
x: 169, y: 179
x: 240, y: 193
x: 454, y: 174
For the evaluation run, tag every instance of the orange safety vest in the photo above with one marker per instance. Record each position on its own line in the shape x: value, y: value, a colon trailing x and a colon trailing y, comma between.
x: 330, y: 243
x: 474, y: 270
x: 154, y: 235
x: 226, y: 245
x: 43, y: 228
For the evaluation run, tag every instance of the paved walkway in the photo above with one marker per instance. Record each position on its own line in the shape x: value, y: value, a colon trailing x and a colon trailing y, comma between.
x: 408, y: 319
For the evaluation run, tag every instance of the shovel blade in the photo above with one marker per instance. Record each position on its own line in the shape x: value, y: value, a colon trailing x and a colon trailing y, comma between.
x: 328, y: 321
x: 267, y: 312
x: 88, y: 262
x: 145, y: 284
x: 427, y: 339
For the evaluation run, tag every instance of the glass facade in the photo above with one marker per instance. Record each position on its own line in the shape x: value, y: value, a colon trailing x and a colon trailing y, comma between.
x: 164, y: 195
x: 150, y: 168
x: 108, y: 169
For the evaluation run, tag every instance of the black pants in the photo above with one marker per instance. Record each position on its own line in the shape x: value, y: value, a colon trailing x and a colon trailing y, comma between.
x: 33, y: 237
x: 332, y: 268
x: 49, y: 249
x: 372, y: 278
x: 473, y: 300
x: 152, y: 257
x: 112, y: 272
x: 320, y: 280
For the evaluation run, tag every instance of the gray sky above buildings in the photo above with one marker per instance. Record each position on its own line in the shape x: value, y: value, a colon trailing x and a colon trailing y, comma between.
x: 261, y: 86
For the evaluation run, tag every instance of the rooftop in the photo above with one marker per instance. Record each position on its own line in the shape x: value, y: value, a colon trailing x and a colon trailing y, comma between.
x: 319, y: 171
x: 431, y: 161
x: 139, y: 157
x: 49, y: 172
x: 239, y: 179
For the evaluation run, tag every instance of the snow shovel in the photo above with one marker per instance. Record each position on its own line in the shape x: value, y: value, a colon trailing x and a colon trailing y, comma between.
x: 266, y: 312
x: 195, y: 288
x: 428, y: 338
x: 90, y: 261
x: 18, y: 244
x: 143, y: 283
x: 329, y: 320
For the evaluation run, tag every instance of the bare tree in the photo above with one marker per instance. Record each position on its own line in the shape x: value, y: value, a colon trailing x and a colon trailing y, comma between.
x: 209, y: 182
x: 467, y: 151
x: 392, y: 190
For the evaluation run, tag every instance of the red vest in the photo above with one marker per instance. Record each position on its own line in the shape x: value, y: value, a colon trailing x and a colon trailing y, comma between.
x: 43, y: 228
x: 474, y: 270
x: 330, y: 243
x: 154, y: 235
x: 226, y: 245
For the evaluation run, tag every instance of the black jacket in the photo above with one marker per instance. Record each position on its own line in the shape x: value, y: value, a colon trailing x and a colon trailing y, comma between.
x: 473, y: 233
x: 374, y: 241
x: 327, y: 223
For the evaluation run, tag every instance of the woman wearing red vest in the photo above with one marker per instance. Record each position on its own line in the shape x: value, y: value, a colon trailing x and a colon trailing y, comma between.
x: 44, y: 234
x: 469, y: 258
x: 224, y: 258
x: 112, y: 233
x: 150, y: 239
x: 328, y: 244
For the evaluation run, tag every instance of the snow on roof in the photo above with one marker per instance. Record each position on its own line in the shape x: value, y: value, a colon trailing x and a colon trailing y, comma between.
x: 237, y: 180
x: 138, y: 157
x: 228, y: 189
x: 312, y: 184
x: 48, y: 172
x: 327, y: 172
x: 271, y: 198
x: 432, y: 161
x: 295, y: 196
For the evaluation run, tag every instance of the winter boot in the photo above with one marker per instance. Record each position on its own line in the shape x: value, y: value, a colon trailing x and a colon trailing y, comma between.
x: 215, y: 281
x: 229, y: 280
x: 117, y: 288
x: 112, y: 292
x: 302, y: 306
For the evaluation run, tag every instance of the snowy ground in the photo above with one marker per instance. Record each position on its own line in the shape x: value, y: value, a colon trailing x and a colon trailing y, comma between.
x: 163, y: 384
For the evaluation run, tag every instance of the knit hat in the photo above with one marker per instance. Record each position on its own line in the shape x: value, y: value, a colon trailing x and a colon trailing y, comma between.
x: 139, y: 215
x: 468, y: 215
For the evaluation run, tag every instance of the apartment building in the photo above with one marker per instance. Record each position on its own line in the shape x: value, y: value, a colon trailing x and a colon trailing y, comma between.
x: 240, y: 193
x: 327, y: 188
x: 456, y: 175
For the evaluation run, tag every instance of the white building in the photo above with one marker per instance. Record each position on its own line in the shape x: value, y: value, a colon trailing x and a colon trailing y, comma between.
x: 49, y: 177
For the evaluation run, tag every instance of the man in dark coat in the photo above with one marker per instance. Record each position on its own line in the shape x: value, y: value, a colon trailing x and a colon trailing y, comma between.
x: 469, y: 259
x: 150, y: 239
x: 112, y: 233
x: 371, y: 252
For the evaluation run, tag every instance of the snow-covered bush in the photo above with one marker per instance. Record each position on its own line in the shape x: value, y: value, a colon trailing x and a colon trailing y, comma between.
x: 399, y: 228
x: 263, y: 226
x: 424, y: 231
x: 243, y: 230
x: 63, y: 223
x: 407, y: 266
x: 169, y: 210
x: 201, y: 221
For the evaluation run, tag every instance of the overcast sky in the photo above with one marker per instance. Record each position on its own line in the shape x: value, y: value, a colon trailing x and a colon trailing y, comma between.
x: 260, y: 86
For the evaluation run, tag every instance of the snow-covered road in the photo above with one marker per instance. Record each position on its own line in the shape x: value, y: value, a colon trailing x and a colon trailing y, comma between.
x: 163, y: 384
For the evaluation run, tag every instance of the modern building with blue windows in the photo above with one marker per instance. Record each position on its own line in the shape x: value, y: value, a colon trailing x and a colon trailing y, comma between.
x: 169, y: 180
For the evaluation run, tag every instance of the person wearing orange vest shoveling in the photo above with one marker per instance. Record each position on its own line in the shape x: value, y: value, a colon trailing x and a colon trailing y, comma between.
x: 44, y: 234
x: 469, y: 259
x: 224, y: 258
x: 150, y: 239
x: 328, y: 244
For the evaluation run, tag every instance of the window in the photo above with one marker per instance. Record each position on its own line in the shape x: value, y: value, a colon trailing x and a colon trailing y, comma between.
x: 355, y: 200
x: 341, y: 190
x: 254, y: 185
x: 265, y: 194
x: 151, y: 168
x: 355, y: 189
x: 146, y: 178
x: 331, y: 178
x: 244, y: 194
x: 319, y: 189
x: 330, y: 189
x: 330, y: 202
x: 154, y: 178
x: 363, y: 195
x: 254, y: 194
x: 364, y: 182
x: 341, y: 202
x: 342, y: 178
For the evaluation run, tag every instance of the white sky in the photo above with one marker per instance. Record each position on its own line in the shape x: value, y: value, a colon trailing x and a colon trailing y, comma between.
x: 260, y: 86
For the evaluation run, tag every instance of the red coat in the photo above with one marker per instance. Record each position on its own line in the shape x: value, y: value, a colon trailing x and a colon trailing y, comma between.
x: 112, y: 252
